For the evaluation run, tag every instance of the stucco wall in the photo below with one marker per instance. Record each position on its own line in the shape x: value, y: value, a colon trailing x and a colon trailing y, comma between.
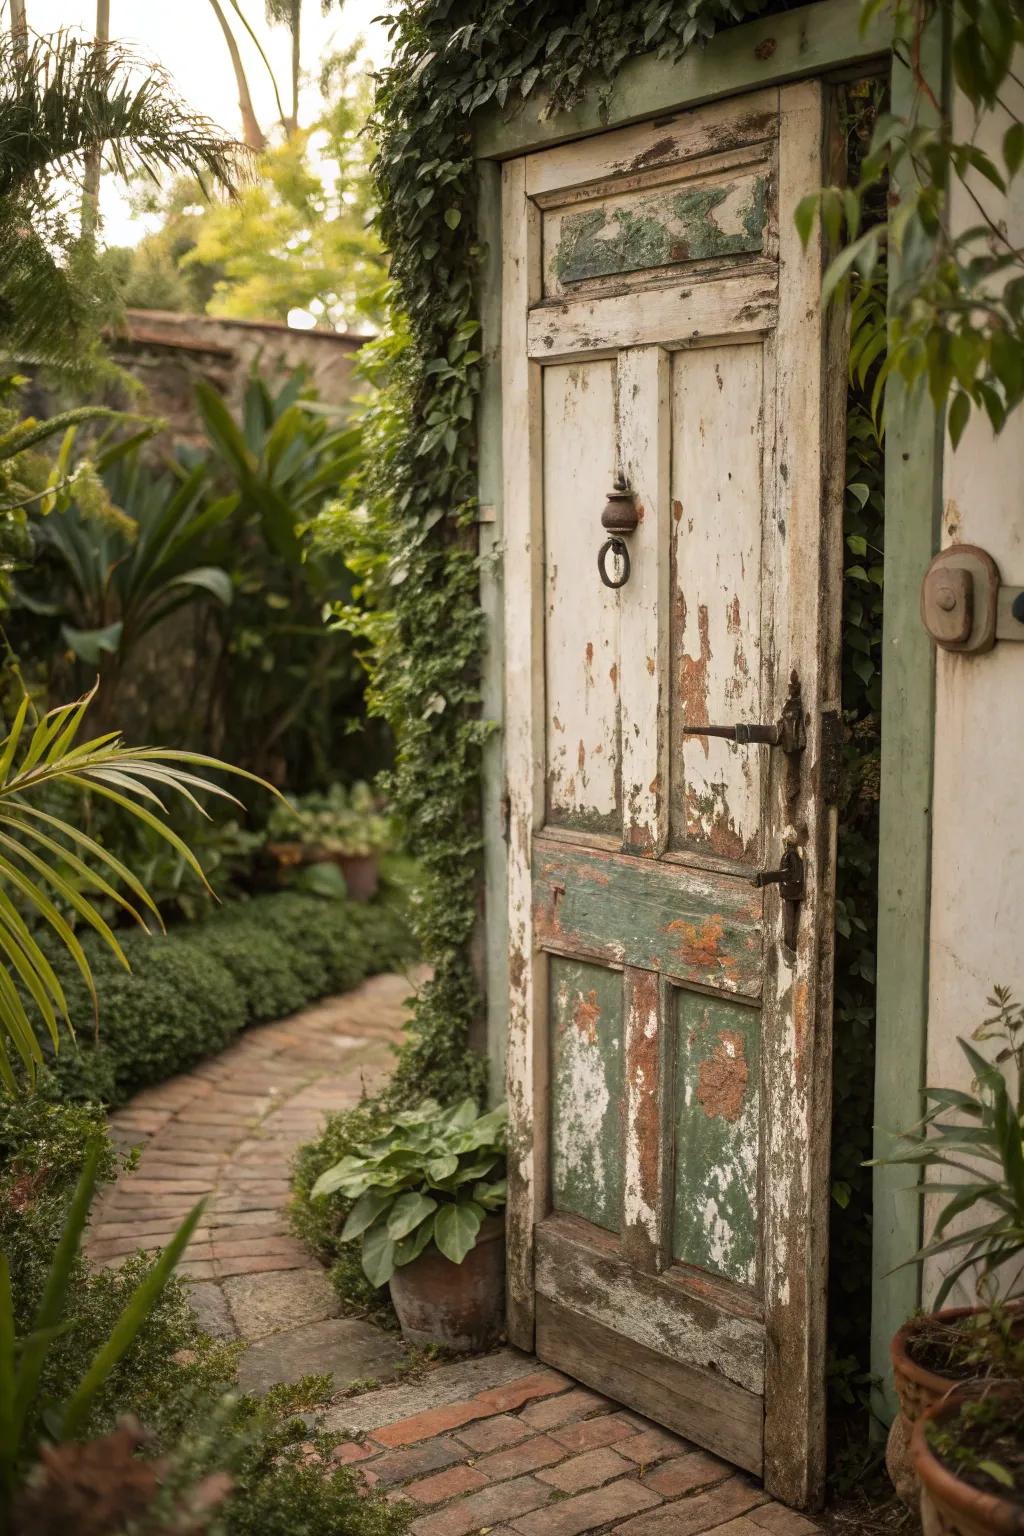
x: 977, y: 898
x: 167, y: 352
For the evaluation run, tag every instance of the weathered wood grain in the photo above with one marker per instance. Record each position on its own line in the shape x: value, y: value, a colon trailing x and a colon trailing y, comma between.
x: 672, y: 314
x: 699, y: 927
x: 796, y: 1024
x: 636, y: 231
x: 585, y: 1010
x: 717, y: 1164
x: 554, y: 175
x: 718, y: 575
x: 705, y: 1408
x: 655, y: 1311
x: 581, y: 617
x: 524, y: 743
x: 642, y: 376
x: 644, y: 1206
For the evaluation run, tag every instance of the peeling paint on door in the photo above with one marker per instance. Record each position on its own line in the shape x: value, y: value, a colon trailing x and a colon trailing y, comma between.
x: 581, y: 616
x: 714, y: 1222
x: 638, y: 231
x: 587, y: 1085
x: 717, y: 579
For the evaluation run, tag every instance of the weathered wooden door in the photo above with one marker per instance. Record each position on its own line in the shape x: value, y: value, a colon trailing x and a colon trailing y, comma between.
x: 669, y: 1047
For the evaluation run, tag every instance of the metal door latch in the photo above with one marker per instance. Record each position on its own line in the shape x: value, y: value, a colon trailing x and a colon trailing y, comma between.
x: 620, y: 516
x: 790, y: 877
x: 788, y: 731
x: 965, y: 606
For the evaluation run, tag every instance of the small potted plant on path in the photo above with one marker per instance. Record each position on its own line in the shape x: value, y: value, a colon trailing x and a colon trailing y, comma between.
x: 968, y: 1453
x: 979, y: 1136
x: 429, y: 1196
x: 314, y: 837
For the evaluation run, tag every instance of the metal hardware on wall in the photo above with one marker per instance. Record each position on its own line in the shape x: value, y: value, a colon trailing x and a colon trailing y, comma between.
x: 965, y: 607
x: 619, y: 517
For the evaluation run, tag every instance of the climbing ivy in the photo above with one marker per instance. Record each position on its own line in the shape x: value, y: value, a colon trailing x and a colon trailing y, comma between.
x: 411, y: 517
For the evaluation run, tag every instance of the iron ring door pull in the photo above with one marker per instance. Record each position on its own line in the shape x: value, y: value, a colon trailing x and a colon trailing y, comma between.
x: 618, y: 548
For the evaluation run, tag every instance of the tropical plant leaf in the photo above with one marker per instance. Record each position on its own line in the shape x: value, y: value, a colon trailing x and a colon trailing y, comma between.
x: 456, y: 1227
x: 378, y: 1256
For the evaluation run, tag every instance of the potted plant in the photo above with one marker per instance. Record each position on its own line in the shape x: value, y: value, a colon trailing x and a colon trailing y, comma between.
x: 968, y: 1453
x: 428, y: 1195
x: 978, y: 1136
x: 343, y: 829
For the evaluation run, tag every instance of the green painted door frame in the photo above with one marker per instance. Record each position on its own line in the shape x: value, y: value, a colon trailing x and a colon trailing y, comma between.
x: 824, y: 38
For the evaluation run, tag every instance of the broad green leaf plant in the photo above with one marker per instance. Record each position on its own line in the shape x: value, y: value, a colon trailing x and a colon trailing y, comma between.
x: 22, y: 1359
x: 979, y: 1137
x: 432, y: 1177
x: 51, y: 871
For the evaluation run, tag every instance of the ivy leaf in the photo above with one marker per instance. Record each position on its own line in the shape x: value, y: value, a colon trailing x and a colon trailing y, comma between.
x: 959, y: 412
x: 452, y: 217
x: 803, y: 218
x: 1013, y: 147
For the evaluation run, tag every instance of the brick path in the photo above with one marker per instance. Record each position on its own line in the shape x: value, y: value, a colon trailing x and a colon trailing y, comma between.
x: 531, y: 1454
x: 227, y: 1130
x: 539, y: 1455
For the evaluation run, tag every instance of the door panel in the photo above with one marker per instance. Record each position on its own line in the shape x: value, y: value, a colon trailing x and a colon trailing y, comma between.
x: 717, y: 1135
x: 586, y: 1090
x: 581, y: 627
x: 716, y: 800
x: 668, y: 1042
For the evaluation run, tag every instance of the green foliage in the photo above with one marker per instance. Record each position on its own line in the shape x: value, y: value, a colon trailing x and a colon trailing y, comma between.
x: 957, y: 312
x: 64, y: 101
x: 980, y: 1441
x: 320, y: 1222
x: 298, y: 235
x: 427, y: 1176
x: 979, y: 1135
x: 170, y: 1376
x: 344, y: 821
x: 188, y: 994
x: 23, y: 1357
x: 46, y: 860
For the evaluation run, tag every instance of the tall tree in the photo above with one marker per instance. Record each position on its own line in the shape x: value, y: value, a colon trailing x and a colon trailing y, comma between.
x: 63, y: 101
x: 289, y: 14
x: 94, y: 157
x: 252, y: 133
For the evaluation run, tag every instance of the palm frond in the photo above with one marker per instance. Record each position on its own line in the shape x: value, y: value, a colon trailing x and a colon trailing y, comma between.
x: 48, y: 865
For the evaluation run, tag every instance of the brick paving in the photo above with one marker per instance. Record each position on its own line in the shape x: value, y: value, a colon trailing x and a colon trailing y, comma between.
x: 227, y: 1130
x: 538, y: 1455
x: 531, y: 1454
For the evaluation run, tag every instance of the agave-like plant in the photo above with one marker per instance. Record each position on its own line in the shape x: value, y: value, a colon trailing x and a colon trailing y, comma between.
x: 49, y: 866
x: 979, y: 1137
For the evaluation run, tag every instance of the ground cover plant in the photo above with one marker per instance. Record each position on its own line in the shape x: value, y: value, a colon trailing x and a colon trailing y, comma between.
x: 191, y: 1441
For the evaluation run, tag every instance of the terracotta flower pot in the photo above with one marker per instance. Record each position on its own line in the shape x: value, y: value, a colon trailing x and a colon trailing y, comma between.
x: 362, y: 877
x: 459, y: 1306
x: 950, y: 1506
x: 918, y: 1389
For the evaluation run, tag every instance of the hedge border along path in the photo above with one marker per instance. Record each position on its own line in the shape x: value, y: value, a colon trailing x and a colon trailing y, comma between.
x: 227, y: 1131
x: 190, y: 993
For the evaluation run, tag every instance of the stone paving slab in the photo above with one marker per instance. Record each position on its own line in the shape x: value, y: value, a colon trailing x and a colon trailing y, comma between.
x: 505, y: 1445
x: 226, y: 1132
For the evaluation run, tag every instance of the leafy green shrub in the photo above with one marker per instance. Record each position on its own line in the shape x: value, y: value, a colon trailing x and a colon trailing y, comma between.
x: 174, y: 1379
x: 189, y: 993
x: 427, y: 1175
x: 319, y: 1222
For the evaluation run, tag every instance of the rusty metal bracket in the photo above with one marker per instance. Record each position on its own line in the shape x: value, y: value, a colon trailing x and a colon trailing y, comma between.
x: 965, y: 606
x: 787, y: 733
x: 791, y: 879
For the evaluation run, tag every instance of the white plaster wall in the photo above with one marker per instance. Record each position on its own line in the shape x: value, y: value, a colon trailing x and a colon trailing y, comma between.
x: 977, y: 889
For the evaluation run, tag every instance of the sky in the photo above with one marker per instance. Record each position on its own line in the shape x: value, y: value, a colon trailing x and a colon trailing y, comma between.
x: 185, y: 37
